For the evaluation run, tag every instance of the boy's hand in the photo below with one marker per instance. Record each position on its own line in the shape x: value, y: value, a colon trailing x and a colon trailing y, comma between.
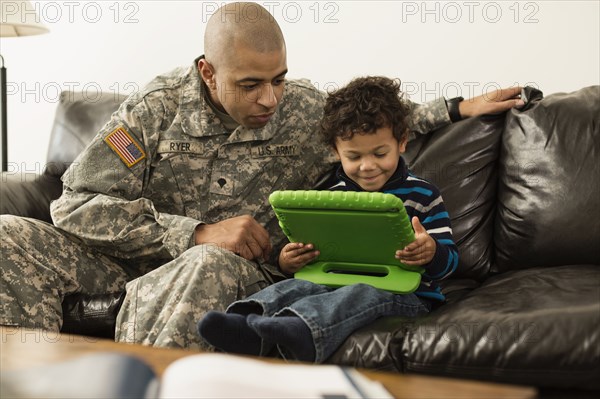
x: 419, y: 252
x: 295, y: 255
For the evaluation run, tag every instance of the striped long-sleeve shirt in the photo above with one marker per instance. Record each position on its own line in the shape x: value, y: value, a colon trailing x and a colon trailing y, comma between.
x: 421, y: 199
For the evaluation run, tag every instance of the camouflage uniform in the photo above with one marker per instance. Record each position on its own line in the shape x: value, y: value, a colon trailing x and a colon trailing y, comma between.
x: 163, y: 164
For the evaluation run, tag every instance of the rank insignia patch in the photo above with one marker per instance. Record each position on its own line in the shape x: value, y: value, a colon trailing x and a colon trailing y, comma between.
x: 126, y: 148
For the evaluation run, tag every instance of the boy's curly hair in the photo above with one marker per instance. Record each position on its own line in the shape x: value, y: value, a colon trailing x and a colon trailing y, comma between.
x: 363, y: 106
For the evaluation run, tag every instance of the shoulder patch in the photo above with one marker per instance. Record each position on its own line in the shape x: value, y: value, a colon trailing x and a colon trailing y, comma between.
x: 125, y: 146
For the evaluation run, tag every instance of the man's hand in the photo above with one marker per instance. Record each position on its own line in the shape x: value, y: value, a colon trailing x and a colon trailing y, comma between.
x: 241, y: 235
x: 419, y: 252
x: 490, y: 103
x: 295, y: 255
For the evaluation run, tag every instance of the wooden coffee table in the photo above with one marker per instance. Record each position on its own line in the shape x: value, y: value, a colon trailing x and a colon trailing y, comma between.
x: 21, y: 348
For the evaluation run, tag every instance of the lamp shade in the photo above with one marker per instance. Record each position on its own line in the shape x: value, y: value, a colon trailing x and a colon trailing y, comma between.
x: 19, y: 18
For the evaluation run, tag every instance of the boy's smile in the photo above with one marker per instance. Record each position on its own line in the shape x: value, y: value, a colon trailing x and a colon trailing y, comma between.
x: 370, y: 159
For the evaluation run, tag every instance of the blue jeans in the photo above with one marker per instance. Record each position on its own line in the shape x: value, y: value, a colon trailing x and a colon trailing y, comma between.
x: 331, y: 314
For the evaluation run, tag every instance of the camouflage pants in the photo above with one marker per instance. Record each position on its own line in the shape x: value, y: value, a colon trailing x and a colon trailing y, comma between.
x: 41, y: 264
x: 163, y: 307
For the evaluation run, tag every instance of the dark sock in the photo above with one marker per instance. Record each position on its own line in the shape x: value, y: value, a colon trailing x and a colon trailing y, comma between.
x: 289, y: 332
x: 230, y: 333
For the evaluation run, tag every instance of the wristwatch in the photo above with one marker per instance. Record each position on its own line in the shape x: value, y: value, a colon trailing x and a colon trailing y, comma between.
x: 453, y: 111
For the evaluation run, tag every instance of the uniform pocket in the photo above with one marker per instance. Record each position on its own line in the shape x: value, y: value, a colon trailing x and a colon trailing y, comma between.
x: 189, y: 173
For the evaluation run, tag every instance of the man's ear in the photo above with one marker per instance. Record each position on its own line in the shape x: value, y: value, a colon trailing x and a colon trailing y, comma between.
x: 207, y: 73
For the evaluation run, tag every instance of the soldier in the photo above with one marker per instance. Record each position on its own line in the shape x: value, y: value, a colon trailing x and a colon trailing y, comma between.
x: 170, y: 198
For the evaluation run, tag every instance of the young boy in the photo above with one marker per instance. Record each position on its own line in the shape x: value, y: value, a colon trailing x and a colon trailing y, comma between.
x: 364, y: 123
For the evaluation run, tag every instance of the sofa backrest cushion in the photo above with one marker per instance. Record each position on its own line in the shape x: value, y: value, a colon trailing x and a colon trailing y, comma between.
x: 79, y: 116
x: 549, y: 196
x: 460, y: 160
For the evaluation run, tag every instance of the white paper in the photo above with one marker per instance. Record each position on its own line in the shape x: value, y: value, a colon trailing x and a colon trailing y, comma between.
x: 229, y: 376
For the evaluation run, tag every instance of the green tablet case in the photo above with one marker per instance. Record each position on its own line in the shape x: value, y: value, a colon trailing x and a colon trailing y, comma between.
x: 357, y: 234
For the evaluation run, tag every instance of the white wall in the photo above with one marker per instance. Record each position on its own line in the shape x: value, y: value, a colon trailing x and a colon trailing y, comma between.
x: 436, y: 48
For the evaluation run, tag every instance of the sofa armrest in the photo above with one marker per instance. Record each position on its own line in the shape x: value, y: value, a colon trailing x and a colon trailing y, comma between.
x: 29, y: 195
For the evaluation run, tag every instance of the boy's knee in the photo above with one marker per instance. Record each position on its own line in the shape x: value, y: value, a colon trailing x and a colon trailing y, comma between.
x: 360, y: 289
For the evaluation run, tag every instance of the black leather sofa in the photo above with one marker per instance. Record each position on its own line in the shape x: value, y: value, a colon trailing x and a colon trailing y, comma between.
x: 522, y: 189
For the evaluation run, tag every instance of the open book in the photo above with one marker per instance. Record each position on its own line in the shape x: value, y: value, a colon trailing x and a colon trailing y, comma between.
x: 210, y: 375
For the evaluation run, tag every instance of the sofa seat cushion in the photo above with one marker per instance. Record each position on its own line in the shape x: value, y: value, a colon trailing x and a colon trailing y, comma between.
x: 369, y: 347
x: 537, y: 327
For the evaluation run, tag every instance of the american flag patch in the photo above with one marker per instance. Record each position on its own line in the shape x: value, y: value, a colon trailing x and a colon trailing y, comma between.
x: 126, y: 148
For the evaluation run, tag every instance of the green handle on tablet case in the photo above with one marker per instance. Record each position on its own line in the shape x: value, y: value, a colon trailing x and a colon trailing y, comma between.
x: 357, y: 234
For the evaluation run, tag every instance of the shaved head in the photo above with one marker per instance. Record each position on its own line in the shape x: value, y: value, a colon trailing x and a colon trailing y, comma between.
x: 244, y: 64
x: 244, y: 24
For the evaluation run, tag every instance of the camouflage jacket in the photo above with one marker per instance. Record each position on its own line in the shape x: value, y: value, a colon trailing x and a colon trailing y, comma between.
x: 165, y: 163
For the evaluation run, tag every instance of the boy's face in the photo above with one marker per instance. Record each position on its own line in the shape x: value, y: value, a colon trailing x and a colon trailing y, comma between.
x: 370, y: 159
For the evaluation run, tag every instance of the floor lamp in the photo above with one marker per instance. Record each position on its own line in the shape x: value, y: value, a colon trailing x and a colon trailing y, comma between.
x: 17, y: 18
